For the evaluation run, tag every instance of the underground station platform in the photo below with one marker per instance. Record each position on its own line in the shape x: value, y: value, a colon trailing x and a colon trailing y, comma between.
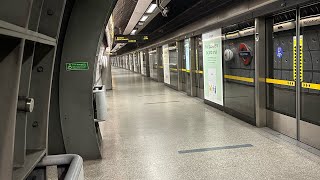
x: 159, y: 89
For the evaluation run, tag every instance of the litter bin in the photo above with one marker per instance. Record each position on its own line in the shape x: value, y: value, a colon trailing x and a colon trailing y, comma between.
x: 100, y: 103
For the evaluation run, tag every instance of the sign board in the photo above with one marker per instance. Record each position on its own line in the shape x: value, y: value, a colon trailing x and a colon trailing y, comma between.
x: 279, y: 52
x: 77, y: 66
x: 212, y: 66
x: 187, y: 53
x: 130, y: 38
x: 166, y: 63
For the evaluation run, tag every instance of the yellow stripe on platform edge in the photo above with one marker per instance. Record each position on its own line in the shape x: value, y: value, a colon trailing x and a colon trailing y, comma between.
x: 239, y: 78
x: 311, y: 86
x: 280, y: 82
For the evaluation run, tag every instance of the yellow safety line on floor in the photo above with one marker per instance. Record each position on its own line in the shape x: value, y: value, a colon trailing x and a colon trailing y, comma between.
x: 239, y: 78
x: 311, y: 86
x: 280, y: 82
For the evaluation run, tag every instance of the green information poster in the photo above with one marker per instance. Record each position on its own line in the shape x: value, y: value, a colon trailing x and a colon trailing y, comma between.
x: 212, y: 66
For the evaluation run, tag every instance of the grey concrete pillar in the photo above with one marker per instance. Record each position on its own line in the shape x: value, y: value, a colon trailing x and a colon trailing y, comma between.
x: 82, y: 42
x: 107, y: 75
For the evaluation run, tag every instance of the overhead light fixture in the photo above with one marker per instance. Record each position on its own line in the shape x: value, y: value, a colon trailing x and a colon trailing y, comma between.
x: 151, y: 8
x: 144, y: 18
x: 140, y: 23
x: 134, y: 32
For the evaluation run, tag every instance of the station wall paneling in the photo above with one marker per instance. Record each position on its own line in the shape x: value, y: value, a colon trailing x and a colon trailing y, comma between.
x: 28, y: 40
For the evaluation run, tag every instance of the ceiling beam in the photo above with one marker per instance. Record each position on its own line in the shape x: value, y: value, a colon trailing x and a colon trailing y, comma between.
x: 138, y: 12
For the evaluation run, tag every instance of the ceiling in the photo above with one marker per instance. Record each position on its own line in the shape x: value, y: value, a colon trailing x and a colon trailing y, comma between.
x: 181, y: 14
x: 122, y: 13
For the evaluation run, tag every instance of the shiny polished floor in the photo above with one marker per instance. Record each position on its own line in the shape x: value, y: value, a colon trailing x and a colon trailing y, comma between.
x: 150, y: 123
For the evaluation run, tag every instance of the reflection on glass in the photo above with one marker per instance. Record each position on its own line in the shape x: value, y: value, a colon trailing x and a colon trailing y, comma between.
x: 239, y: 68
x: 183, y: 67
x: 160, y: 65
x: 199, y: 62
x: 153, y: 63
x: 173, y: 64
x: 310, y: 95
x: 199, y: 67
x: 186, y: 86
x: 142, y: 63
x: 281, y: 98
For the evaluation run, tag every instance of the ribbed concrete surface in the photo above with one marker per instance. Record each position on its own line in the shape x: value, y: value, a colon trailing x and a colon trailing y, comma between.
x: 149, y: 123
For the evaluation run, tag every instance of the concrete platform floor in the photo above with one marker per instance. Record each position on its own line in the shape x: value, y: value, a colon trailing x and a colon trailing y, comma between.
x: 150, y: 123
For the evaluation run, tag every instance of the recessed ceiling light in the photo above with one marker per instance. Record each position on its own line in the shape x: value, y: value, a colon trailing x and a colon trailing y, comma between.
x: 151, y: 8
x: 133, y: 32
x: 144, y: 18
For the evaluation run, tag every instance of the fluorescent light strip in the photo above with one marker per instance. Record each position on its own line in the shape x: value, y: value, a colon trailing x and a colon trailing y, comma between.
x: 133, y: 32
x: 151, y: 8
x: 144, y: 18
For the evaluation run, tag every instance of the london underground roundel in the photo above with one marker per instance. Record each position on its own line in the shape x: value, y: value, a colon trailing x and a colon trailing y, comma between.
x: 245, y: 54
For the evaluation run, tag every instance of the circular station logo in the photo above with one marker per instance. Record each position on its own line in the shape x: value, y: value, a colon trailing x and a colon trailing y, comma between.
x: 245, y: 54
x: 228, y: 55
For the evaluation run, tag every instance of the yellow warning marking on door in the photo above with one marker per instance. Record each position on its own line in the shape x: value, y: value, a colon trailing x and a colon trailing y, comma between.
x: 239, y: 78
x: 173, y: 69
x: 295, y: 58
x: 160, y: 66
x: 198, y: 71
x: 185, y: 70
x: 280, y: 82
x: 311, y: 86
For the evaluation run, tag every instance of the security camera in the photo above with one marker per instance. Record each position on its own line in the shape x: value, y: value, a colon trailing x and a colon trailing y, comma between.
x: 165, y: 12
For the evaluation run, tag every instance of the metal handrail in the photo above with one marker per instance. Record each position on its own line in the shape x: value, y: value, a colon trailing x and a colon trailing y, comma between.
x: 75, y: 162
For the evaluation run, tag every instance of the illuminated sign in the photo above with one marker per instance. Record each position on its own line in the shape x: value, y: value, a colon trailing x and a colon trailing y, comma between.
x: 130, y: 38
x: 279, y: 52
x: 77, y: 66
